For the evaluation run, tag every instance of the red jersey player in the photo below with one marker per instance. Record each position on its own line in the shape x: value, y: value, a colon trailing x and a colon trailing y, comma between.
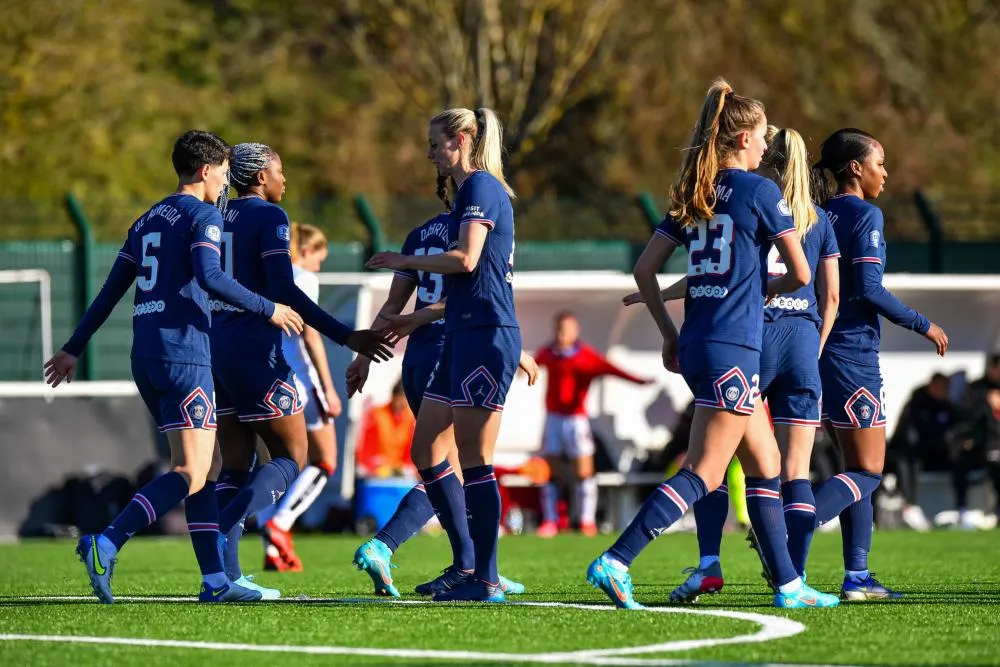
x: 572, y: 365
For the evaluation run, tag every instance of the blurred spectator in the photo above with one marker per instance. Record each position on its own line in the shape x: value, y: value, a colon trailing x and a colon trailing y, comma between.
x: 976, y: 443
x: 384, y: 447
x: 572, y: 365
x: 920, y: 441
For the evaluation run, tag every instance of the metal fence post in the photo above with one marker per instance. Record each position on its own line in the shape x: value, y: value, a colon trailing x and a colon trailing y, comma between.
x: 376, y: 238
x: 935, y: 235
x: 85, y: 277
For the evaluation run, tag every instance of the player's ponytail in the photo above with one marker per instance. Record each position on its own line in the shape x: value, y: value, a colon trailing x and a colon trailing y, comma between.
x: 836, y: 154
x: 724, y: 114
x: 487, y: 146
x: 294, y: 244
x: 486, y: 138
x: 787, y: 160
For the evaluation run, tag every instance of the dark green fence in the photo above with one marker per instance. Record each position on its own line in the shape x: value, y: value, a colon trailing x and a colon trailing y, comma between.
x: 547, y: 229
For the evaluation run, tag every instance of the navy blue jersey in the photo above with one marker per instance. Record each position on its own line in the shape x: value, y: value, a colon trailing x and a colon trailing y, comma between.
x: 860, y: 232
x: 255, y: 252
x: 484, y: 297
x: 172, y: 252
x: 430, y: 238
x: 819, y: 244
x: 726, y: 275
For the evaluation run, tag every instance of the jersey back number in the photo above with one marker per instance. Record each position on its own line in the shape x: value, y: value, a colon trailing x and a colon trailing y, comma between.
x: 431, y: 284
x: 710, y: 251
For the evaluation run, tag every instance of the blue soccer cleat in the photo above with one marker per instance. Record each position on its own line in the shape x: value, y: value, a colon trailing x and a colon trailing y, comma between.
x: 510, y: 587
x: 471, y: 590
x: 99, y: 556
x: 231, y: 592
x: 373, y: 557
x: 246, y: 581
x: 450, y: 577
x: 698, y: 582
x: 804, y: 598
x: 867, y: 589
x: 615, y: 582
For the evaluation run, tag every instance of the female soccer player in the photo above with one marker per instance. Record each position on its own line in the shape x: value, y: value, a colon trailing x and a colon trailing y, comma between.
x: 306, y: 354
x: 725, y: 216
x: 256, y: 392
x: 852, y: 383
x: 482, y: 345
x: 796, y: 327
x: 173, y: 250
x: 425, y: 329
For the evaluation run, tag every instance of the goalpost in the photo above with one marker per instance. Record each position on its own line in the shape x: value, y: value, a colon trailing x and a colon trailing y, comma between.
x: 44, y: 281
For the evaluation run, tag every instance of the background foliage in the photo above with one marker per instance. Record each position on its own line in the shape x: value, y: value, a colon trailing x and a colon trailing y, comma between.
x: 598, y: 96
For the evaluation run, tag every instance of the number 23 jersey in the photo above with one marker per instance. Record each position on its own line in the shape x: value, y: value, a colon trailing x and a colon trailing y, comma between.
x: 727, y: 259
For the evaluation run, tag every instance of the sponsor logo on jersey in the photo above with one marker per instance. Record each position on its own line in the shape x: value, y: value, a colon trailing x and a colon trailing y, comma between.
x: 148, y: 308
x: 788, y: 303
x: 873, y: 238
x: 473, y: 212
x: 784, y: 209
x: 213, y: 233
x: 218, y: 306
x: 283, y: 233
x: 710, y: 291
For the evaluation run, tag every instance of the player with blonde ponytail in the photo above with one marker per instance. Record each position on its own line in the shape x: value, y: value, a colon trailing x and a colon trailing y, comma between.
x: 481, y: 351
x: 725, y: 216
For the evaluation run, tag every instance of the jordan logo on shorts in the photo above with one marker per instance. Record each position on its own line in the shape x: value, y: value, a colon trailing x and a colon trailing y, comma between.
x: 479, y: 389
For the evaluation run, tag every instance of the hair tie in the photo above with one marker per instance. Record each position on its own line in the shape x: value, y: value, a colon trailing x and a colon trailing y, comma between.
x: 480, y: 123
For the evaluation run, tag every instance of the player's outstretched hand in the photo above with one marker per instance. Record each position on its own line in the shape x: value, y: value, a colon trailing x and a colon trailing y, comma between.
x: 286, y: 319
x: 386, y: 260
x: 670, y: 361
x: 632, y: 299
x: 530, y: 368
x: 357, y: 374
x: 376, y: 345
x: 60, y: 367
x: 402, y: 325
x: 937, y: 336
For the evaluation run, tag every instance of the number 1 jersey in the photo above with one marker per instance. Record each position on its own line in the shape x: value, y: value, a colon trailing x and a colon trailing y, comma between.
x: 727, y: 259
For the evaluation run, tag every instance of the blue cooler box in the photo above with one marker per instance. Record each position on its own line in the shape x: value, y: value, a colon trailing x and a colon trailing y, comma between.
x: 378, y: 498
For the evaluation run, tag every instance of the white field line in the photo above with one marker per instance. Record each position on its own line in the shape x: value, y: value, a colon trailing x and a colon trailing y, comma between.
x: 771, y: 627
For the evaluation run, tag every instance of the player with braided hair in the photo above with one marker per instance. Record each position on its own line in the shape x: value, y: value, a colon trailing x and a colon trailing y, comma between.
x: 174, y: 251
x: 256, y: 389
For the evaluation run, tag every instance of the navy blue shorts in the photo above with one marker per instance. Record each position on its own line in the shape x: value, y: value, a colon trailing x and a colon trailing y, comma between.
x: 723, y: 376
x: 853, y: 396
x: 415, y: 378
x: 254, y: 390
x: 179, y: 396
x: 789, y: 373
x: 476, y: 368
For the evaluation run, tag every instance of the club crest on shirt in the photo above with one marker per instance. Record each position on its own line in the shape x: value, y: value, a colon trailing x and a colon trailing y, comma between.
x: 283, y: 233
x: 213, y: 233
x: 873, y: 237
